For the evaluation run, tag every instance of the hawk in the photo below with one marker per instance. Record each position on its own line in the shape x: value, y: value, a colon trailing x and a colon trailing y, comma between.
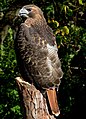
x: 36, y: 53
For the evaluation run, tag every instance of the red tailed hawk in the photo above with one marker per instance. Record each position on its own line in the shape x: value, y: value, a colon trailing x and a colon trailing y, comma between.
x: 36, y: 52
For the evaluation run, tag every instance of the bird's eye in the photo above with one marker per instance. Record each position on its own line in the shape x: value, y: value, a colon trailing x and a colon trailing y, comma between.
x: 29, y: 9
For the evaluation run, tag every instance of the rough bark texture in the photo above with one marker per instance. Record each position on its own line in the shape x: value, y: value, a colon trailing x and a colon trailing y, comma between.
x: 35, y: 105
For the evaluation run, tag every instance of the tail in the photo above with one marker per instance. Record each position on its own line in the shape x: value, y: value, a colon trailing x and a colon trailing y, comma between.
x: 52, y: 98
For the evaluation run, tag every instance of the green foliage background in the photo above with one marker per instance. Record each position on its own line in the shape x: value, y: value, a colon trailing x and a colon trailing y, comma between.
x: 68, y: 21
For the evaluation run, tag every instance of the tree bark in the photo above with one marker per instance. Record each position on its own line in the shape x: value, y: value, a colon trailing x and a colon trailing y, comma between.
x: 35, y: 105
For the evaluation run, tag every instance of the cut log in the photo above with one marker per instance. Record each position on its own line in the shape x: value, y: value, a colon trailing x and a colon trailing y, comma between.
x: 35, y: 105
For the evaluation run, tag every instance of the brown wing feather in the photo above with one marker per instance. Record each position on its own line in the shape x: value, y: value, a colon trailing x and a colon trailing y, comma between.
x: 55, y: 64
x: 34, y: 53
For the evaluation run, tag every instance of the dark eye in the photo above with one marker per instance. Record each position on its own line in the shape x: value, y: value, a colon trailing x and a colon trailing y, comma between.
x: 29, y: 9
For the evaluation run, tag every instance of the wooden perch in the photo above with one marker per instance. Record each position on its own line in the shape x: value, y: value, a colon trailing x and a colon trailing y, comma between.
x: 35, y: 105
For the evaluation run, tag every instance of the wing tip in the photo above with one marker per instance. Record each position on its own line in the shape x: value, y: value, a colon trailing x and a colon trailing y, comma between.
x: 56, y: 114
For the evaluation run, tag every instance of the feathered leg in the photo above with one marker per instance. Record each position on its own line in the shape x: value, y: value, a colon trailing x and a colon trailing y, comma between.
x: 52, y: 97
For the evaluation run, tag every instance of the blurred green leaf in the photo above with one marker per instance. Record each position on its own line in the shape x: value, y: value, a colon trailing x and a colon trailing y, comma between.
x: 65, y: 30
x: 80, y: 2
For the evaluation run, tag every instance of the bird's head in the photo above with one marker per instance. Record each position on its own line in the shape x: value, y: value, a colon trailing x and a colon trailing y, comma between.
x: 31, y: 14
x: 30, y: 11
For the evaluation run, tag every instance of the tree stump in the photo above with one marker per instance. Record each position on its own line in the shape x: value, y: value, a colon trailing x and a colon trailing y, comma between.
x: 35, y: 105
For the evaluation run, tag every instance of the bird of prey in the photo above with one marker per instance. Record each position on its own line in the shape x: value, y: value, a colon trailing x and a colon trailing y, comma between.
x: 37, y: 54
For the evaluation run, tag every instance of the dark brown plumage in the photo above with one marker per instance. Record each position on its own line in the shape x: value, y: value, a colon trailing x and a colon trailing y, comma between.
x: 36, y: 53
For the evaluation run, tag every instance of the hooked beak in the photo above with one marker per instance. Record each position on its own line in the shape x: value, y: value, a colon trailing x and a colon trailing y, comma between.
x: 23, y: 12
